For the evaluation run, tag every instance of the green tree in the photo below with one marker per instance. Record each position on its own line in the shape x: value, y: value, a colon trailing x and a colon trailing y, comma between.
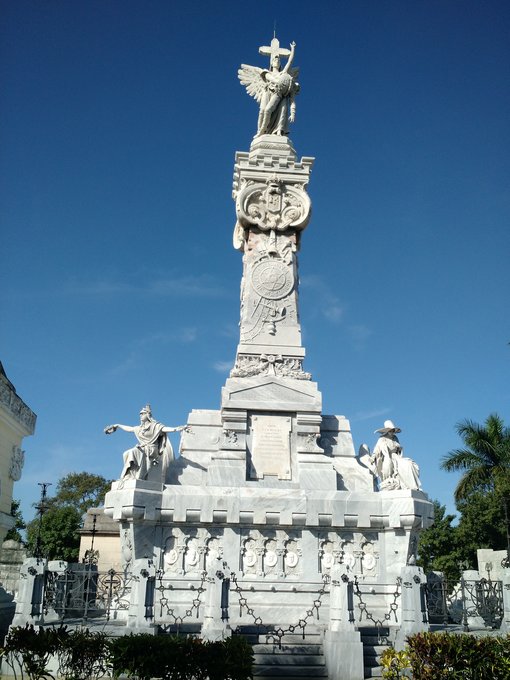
x: 14, y: 534
x: 438, y: 548
x: 59, y: 529
x: 81, y: 490
x: 62, y: 519
x: 481, y: 525
x: 484, y: 462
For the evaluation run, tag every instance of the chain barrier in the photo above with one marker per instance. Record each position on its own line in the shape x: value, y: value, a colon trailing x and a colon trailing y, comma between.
x: 276, y: 634
x: 170, y: 611
x: 369, y: 616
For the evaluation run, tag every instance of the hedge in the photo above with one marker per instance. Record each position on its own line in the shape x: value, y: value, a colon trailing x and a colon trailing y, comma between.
x: 81, y: 655
x: 449, y: 656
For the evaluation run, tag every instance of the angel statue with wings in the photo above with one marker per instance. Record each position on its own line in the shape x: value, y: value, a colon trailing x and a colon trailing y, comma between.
x: 274, y: 89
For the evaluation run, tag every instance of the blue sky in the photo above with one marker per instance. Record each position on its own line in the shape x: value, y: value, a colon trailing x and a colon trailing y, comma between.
x: 120, y: 286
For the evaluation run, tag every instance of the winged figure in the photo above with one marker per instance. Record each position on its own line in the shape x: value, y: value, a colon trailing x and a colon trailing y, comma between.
x: 274, y: 89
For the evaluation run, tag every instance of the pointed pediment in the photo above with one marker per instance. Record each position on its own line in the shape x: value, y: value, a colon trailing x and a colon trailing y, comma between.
x: 271, y: 393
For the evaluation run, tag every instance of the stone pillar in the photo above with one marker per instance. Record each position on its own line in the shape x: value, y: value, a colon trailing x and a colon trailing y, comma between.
x: 343, y: 649
x: 141, y: 606
x: 216, y: 626
x: 413, y: 618
x: 58, y: 605
x: 469, y: 602
x: 505, y: 624
x: 30, y: 592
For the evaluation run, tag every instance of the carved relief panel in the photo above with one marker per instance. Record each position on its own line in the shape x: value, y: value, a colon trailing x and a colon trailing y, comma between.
x: 268, y: 292
x: 358, y: 550
x: 126, y: 542
x: 273, y: 554
x: 272, y: 205
x: 17, y: 463
x: 190, y: 552
x: 369, y: 554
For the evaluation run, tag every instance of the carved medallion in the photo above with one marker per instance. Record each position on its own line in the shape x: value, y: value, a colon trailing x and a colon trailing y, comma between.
x: 270, y: 558
x: 272, y: 279
x: 250, y: 558
x: 368, y: 561
x: 171, y: 556
x: 328, y: 560
x: 291, y: 558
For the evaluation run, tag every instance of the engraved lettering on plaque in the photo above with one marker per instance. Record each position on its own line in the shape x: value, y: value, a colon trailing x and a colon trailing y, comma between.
x: 270, y: 454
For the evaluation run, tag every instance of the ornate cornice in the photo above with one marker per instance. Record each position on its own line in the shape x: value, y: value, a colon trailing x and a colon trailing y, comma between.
x: 15, y: 406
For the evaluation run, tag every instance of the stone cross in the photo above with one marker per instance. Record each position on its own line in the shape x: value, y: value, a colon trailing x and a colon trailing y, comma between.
x: 274, y: 50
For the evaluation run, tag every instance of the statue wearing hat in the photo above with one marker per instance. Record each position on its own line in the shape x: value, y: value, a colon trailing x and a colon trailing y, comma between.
x: 389, y: 465
x: 153, y: 448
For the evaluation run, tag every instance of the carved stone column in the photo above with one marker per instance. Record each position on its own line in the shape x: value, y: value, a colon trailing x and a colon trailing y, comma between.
x: 413, y: 618
x: 141, y: 606
x: 343, y: 648
x: 505, y: 624
x: 216, y: 626
x: 30, y: 594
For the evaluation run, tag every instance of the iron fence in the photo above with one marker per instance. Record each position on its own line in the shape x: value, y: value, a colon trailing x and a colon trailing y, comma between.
x: 81, y: 591
x: 469, y: 603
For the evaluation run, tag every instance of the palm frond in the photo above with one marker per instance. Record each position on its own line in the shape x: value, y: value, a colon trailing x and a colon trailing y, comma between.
x: 476, y: 479
x: 485, y: 460
x: 460, y: 459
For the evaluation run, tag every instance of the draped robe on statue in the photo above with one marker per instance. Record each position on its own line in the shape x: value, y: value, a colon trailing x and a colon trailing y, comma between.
x: 153, y: 448
x: 393, y: 469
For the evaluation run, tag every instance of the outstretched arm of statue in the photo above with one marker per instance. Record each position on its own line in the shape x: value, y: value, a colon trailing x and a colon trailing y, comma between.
x: 176, y: 429
x: 291, y: 57
x: 113, y: 428
x: 292, y: 116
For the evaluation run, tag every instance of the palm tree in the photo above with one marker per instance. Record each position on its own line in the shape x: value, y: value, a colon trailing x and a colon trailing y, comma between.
x: 485, y: 462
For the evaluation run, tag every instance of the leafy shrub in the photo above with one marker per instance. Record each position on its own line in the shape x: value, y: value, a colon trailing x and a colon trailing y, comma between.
x: 446, y: 656
x: 30, y: 650
x: 82, y: 654
x: 395, y: 664
x: 231, y: 659
x: 180, y: 658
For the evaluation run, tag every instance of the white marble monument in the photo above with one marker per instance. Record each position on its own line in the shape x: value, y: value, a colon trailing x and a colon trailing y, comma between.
x: 268, y: 487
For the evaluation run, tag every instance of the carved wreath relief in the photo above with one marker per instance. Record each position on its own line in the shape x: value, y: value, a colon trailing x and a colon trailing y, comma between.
x: 248, y: 365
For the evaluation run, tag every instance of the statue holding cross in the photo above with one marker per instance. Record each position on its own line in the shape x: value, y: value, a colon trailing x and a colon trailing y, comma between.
x: 274, y: 89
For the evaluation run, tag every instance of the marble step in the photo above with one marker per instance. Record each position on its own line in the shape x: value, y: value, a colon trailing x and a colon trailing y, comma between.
x: 298, y: 648
x: 288, y: 660
x: 373, y: 640
x: 289, y: 672
x: 290, y: 638
x: 296, y: 659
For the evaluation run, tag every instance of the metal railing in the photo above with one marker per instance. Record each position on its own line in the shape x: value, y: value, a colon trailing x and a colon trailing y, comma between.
x: 469, y: 603
x: 82, y: 592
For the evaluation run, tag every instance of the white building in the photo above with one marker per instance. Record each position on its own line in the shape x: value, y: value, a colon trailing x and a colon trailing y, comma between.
x: 17, y: 421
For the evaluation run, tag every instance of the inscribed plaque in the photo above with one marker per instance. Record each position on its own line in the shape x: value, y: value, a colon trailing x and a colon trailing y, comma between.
x: 270, y: 450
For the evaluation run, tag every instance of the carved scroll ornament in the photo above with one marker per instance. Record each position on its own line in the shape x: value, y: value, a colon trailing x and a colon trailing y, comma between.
x: 273, y: 206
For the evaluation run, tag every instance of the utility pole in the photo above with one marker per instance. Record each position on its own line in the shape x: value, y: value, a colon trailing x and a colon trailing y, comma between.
x: 41, y: 509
